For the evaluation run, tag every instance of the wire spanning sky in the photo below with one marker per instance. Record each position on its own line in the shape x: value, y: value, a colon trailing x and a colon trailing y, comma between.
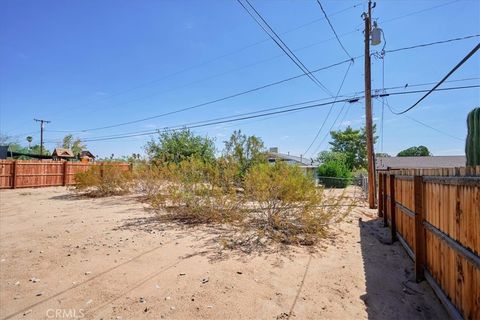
x: 87, y: 64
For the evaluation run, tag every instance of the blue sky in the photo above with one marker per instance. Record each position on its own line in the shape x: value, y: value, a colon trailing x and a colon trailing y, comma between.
x: 86, y: 64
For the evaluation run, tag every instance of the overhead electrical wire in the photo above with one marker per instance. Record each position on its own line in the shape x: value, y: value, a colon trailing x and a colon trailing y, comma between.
x: 208, y: 102
x: 280, y: 43
x: 330, y: 110
x: 392, y: 110
x: 256, y: 43
x: 243, y: 93
x: 465, y: 59
x: 259, y: 114
x: 333, y: 30
x: 433, y: 43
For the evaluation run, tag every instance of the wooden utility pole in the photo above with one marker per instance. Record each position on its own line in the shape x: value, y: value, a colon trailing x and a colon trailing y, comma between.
x: 368, y: 110
x: 42, y: 126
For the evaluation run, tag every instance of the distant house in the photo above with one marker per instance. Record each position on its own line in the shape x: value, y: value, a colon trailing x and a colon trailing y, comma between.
x: 385, y: 163
x: 86, y: 156
x: 62, y: 153
x: 308, y: 165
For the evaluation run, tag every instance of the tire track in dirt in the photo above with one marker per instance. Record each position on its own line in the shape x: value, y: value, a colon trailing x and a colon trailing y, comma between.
x: 145, y: 280
x: 97, y: 276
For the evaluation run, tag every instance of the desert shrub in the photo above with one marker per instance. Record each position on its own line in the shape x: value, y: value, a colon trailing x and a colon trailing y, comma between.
x: 103, y: 180
x: 151, y: 180
x: 334, y: 174
x: 243, y: 151
x: 199, y: 191
x: 286, y: 205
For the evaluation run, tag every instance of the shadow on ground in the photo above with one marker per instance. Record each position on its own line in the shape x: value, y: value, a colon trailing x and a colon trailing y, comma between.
x: 391, y: 291
x: 218, y: 242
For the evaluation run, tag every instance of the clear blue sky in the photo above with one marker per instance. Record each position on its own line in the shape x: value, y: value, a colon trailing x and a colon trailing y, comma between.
x: 84, y: 64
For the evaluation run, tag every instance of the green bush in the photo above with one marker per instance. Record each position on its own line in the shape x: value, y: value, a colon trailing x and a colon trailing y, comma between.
x: 286, y: 204
x: 198, y: 191
x: 334, y: 174
x: 103, y: 180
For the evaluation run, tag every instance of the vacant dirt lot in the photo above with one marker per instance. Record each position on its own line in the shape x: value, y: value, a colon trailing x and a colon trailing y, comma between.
x: 65, y: 257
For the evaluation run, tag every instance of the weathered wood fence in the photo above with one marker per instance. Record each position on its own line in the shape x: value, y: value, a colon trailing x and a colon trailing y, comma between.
x: 29, y: 174
x: 435, y: 214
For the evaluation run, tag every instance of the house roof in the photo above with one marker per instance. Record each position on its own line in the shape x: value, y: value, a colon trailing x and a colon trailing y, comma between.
x: 383, y: 163
x: 63, y: 153
x: 86, y: 153
x: 308, y: 162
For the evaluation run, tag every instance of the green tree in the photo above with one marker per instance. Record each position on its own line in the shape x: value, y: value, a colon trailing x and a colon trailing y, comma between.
x: 420, y: 151
x: 176, y: 146
x: 75, y: 144
x: 352, y: 143
x: 383, y: 155
x: 29, y: 140
x: 35, y: 149
x: 331, y: 156
x: 333, y: 171
x: 244, y: 150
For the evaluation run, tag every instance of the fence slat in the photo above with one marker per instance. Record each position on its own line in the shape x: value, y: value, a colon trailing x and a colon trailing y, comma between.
x: 435, y: 214
x: 393, y: 223
x: 419, y: 233
x: 30, y: 174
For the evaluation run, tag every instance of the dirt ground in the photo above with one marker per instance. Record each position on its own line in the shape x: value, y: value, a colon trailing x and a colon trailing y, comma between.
x: 64, y: 257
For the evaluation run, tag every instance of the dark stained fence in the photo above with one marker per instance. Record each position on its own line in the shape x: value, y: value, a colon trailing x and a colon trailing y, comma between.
x: 435, y: 214
x: 29, y: 174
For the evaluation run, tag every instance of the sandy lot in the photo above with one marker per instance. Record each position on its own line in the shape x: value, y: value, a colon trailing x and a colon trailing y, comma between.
x: 64, y: 257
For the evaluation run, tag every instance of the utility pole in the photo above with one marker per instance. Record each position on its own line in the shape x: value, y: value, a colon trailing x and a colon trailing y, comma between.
x: 42, y: 126
x: 368, y: 109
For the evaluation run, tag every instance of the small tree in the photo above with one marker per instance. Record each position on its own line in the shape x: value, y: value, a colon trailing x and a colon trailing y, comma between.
x: 75, y: 144
x: 176, y: 146
x: 352, y: 143
x: 29, y: 140
x: 245, y: 151
x: 420, y: 151
x: 334, y: 172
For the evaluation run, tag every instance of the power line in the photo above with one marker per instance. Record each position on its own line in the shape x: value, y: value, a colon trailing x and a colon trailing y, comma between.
x: 433, y: 43
x: 329, y: 111
x: 254, y: 44
x: 208, y: 102
x: 333, y: 29
x: 247, y: 92
x: 423, y: 123
x: 468, y: 56
x: 257, y: 114
x: 419, y: 11
x: 279, y: 42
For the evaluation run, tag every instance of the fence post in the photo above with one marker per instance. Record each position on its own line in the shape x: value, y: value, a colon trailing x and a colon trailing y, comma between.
x: 14, y: 174
x: 101, y: 170
x: 385, y: 215
x: 380, y: 194
x: 65, y: 171
x: 130, y: 167
x: 419, y: 229
x: 393, y: 224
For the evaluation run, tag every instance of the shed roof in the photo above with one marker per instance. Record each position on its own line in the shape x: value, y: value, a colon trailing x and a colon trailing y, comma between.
x: 383, y: 163
x: 296, y: 159
x: 86, y: 153
x: 63, y: 153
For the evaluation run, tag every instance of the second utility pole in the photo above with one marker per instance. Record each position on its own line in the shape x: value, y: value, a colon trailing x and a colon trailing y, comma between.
x: 368, y: 110
x: 42, y: 126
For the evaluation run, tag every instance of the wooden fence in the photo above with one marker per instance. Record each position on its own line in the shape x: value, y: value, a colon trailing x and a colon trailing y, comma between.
x: 29, y: 174
x: 435, y: 214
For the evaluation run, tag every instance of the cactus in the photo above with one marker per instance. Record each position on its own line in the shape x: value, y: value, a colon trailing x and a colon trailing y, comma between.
x: 472, y: 145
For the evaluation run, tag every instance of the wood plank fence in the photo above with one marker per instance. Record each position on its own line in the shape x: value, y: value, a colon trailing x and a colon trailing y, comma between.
x: 435, y: 214
x: 29, y: 174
